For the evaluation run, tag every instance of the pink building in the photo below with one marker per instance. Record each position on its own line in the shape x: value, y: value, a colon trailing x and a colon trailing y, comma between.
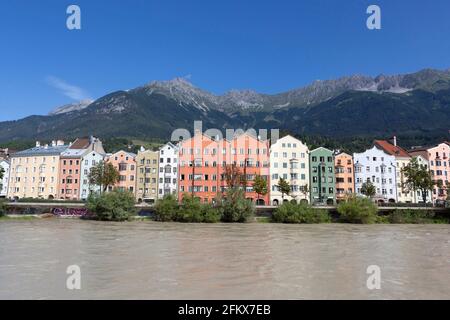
x: 438, y: 157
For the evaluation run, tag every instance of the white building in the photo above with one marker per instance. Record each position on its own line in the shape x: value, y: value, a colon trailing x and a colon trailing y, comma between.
x: 4, y: 182
x: 289, y: 159
x: 168, y: 170
x: 378, y: 167
x: 88, y: 161
x: 402, y: 159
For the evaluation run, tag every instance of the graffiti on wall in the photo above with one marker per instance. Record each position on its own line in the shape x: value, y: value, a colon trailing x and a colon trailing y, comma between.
x: 70, y: 211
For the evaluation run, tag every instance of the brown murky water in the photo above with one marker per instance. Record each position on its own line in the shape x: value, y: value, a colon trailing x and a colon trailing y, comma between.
x: 147, y: 260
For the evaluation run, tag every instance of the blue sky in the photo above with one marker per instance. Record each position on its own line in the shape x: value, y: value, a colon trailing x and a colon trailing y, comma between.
x: 268, y: 46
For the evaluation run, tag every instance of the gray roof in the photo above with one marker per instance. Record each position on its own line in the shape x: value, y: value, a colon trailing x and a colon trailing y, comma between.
x: 73, y: 153
x: 41, y: 151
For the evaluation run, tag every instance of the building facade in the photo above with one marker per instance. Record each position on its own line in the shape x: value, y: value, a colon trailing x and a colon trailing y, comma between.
x: 438, y: 157
x: 70, y: 174
x: 201, y: 168
x: 168, y: 170
x: 203, y: 162
x: 34, y: 172
x: 402, y: 159
x: 322, y: 176
x: 289, y: 159
x: 345, y: 177
x: 70, y: 169
x: 89, y: 160
x: 4, y: 182
x: 379, y: 168
x: 125, y: 163
x: 147, y: 173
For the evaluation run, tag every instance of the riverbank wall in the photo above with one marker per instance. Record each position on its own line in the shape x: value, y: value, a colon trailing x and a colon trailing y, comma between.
x: 79, y: 209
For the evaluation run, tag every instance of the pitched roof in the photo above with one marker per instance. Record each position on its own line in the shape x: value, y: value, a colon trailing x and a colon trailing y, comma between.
x: 426, y: 148
x: 41, y: 151
x: 391, y: 149
x: 81, y: 143
x: 73, y: 153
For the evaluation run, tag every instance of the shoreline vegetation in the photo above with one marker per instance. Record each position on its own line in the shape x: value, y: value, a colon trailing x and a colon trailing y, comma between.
x: 233, y: 207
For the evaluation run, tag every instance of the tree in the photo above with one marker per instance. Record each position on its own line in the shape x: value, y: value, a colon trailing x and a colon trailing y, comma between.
x: 103, y: 175
x: 305, y: 190
x: 260, y: 186
x: 417, y: 177
x: 2, y: 172
x: 368, y: 189
x: 234, y: 177
x: 284, y: 187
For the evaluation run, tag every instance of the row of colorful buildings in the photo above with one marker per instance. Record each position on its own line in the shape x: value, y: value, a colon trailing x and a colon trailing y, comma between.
x: 197, y: 166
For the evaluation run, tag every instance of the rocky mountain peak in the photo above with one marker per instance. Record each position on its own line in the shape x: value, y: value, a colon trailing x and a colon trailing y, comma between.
x: 77, y: 106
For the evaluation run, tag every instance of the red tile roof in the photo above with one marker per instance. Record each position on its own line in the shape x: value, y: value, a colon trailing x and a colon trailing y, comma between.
x: 81, y: 143
x: 389, y: 148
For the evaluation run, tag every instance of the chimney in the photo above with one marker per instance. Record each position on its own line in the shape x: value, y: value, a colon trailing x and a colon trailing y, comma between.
x: 60, y: 143
x: 53, y: 143
x: 38, y: 144
x: 46, y: 146
x: 395, y: 141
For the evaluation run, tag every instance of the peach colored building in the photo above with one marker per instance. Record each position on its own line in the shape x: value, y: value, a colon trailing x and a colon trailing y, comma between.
x: 70, y: 174
x: 34, y: 172
x: 252, y: 157
x: 125, y: 163
x: 345, y: 177
x: 200, y: 168
x: 203, y: 160
x: 438, y: 157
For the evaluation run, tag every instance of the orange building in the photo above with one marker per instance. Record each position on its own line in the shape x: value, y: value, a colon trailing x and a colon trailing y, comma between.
x: 125, y: 163
x: 203, y: 160
x: 345, y: 179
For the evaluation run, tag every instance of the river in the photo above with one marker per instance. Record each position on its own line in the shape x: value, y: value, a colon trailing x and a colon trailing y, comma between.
x: 150, y: 260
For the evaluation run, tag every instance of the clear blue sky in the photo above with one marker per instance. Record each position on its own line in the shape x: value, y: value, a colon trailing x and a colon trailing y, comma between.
x: 268, y: 46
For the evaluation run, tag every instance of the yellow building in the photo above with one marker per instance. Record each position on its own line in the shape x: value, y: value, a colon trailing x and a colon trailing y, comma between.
x: 147, y: 172
x: 34, y: 172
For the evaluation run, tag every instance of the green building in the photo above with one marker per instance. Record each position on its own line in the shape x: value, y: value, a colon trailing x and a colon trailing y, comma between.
x: 322, y: 178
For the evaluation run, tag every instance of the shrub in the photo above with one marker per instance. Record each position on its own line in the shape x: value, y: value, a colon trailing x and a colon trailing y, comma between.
x: 235, y: 207
x: 411, y: 216
x: 112, y: 206
x: 358, y: 210
x: 300, y: 213
x: 166, y: 209
x: 190, y: 210
x: 382, y: 219
x: 211, y: 214
x: 2, y: 208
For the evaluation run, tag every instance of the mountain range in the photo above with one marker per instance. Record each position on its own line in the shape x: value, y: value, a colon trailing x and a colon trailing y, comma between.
x: 408, y: 104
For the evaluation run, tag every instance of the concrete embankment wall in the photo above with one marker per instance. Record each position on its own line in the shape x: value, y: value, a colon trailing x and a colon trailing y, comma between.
x: 79, y: 209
